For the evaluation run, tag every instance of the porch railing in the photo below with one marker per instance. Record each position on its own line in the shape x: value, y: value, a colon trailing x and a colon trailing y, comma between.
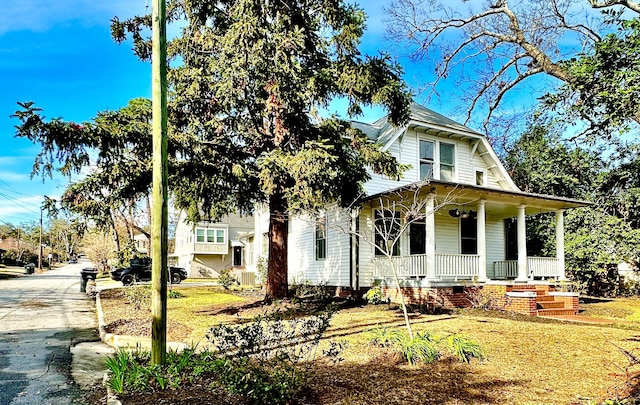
x: 504, y: 270
x: 446, y: 266
x: 457, y: 266
x: 406, y: 266
x: 543, y: 266
x: 537, y: 267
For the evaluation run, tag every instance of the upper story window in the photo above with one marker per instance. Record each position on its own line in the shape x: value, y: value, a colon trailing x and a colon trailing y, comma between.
x: 481, y: 177
x: 321, y: 237
x: 447, y: 162
x: 426, y: 159
x: 210, y: 235
x: 437, y: 160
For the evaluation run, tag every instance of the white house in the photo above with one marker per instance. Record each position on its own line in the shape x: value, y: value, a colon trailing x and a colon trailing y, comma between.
x: 472, y: 235
x: 206, y: 248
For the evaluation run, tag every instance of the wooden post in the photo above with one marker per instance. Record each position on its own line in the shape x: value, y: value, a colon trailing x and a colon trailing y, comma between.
x: 160, y: 214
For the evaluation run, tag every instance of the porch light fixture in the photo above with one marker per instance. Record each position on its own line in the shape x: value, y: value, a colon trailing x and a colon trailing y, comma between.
x: 471, y: 214
x: 455, y: 213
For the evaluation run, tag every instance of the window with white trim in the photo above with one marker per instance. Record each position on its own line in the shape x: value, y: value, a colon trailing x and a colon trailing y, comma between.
x: 211, y: 235
x: 427, y: 159
x: 447, y: 161
x: 481, y: 177
x: 321, y: 237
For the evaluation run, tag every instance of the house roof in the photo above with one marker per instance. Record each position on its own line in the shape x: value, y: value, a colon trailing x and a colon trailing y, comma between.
x: 383, y: 132
x: 460, y: 194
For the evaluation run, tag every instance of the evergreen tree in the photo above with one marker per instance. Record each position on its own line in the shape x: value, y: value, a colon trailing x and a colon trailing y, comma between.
x: 247, y: 82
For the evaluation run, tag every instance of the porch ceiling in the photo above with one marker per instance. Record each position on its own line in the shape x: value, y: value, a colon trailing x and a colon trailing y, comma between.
x: 498, y: 203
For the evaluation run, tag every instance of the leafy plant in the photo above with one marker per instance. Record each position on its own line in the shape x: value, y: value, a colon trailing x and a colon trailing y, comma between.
x: 262, y: 269
x: 175, y: 294
x: 267, y: 360
x: 226, y: 280
x: 464, y: 348
x: 424, y: 347
x: 374, y: 295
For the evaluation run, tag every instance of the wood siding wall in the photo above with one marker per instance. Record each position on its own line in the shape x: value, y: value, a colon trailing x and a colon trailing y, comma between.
x: 303, y: 266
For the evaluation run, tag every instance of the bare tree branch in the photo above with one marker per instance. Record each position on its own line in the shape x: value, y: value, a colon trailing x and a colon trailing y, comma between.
x: 632, y: 5
x: 507, y: 42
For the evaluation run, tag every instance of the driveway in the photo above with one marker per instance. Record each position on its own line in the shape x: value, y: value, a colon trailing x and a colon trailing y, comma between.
x: 41, y: 317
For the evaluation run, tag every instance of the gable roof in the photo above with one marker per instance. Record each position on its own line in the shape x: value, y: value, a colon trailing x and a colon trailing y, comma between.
x: 381, y: 131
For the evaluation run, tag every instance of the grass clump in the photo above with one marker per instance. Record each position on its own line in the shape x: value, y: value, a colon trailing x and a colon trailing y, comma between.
x: 424, y: 347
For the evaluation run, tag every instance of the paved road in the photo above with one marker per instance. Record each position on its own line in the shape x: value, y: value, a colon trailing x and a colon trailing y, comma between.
x: 41, y: 317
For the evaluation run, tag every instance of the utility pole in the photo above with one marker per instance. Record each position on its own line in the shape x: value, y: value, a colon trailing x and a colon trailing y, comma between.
x: 160, y: 213
x: 40, y: 255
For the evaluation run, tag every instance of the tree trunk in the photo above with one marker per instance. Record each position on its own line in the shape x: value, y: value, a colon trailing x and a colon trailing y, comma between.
x: 277, y: 268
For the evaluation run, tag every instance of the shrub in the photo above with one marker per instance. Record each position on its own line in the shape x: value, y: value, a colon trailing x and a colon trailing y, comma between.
x: 262, y: 269
x: 139, y: 296
x: 226, y: 280
x: 374, y: 295
x: 175, y: 294
x: 267, y: 360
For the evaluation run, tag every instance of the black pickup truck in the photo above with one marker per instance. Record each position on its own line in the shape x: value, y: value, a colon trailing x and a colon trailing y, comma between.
x: 140, y: 270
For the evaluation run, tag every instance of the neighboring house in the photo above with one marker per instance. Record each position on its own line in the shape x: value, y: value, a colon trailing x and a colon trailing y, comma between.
x: 207, y: 248
x: 473, y: 236
x: 141, y: 242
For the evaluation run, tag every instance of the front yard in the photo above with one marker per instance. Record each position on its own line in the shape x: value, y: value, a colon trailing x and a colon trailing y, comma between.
x: 529, y: 361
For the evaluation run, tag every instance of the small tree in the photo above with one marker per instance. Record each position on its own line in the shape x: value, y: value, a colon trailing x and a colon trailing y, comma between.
x: 395, y: 212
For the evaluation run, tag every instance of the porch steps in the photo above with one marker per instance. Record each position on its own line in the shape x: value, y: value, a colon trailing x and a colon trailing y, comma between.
x: 549, y: 305
x: 549, y: 312
x: 546, y: 305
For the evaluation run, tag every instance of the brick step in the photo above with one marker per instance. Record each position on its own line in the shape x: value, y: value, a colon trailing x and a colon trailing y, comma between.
x: 545, y: 298
x: 550, y: 305
x: 549, y: 312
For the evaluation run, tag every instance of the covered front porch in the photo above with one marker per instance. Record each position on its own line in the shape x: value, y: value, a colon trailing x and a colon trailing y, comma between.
x: 470, y: 233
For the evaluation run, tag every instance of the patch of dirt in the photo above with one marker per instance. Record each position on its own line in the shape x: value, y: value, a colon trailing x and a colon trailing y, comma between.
x: 122, y: 318
x: 35, y: 304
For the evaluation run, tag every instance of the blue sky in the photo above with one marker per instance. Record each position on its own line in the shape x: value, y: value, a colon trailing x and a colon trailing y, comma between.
x: 59, y: 54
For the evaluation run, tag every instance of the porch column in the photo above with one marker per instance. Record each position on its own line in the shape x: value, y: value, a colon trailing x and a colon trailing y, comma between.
x: 560, y: 243
x: 482, y: 241
x: 522, y: 245
x: 430, y: 239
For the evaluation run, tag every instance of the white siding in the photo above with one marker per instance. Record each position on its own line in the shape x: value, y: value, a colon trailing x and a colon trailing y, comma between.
x: 303, y: 266
x: 366, y: 246
x: 495, y: 242
x: 447, y: 233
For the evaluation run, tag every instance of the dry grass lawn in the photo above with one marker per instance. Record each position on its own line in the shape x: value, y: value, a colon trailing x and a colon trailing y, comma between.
x: 529, y: 361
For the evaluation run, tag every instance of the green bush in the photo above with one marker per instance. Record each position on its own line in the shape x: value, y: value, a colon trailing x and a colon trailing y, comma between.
x: 262, y: 362
x: 424, y: 347
x: 226, y: 280
x: 374, y: 295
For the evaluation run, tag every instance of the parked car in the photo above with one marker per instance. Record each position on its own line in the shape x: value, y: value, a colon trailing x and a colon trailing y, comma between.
x: 140, y: 270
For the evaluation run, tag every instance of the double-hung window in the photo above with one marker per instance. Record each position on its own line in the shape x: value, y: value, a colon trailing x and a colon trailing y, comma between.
x: 426, y: 159
x: 447, y: 162
x: 321, y: 237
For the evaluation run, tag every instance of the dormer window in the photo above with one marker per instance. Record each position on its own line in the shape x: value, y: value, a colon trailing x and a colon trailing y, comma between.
x: 426, y: 159
x: 437, y: 160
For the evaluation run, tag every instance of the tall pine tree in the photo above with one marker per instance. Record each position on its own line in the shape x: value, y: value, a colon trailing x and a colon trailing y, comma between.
x: 247, y: 81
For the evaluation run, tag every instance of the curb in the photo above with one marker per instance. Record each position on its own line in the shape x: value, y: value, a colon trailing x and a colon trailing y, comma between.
x: 111, y: 396
x: 123, y: 341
